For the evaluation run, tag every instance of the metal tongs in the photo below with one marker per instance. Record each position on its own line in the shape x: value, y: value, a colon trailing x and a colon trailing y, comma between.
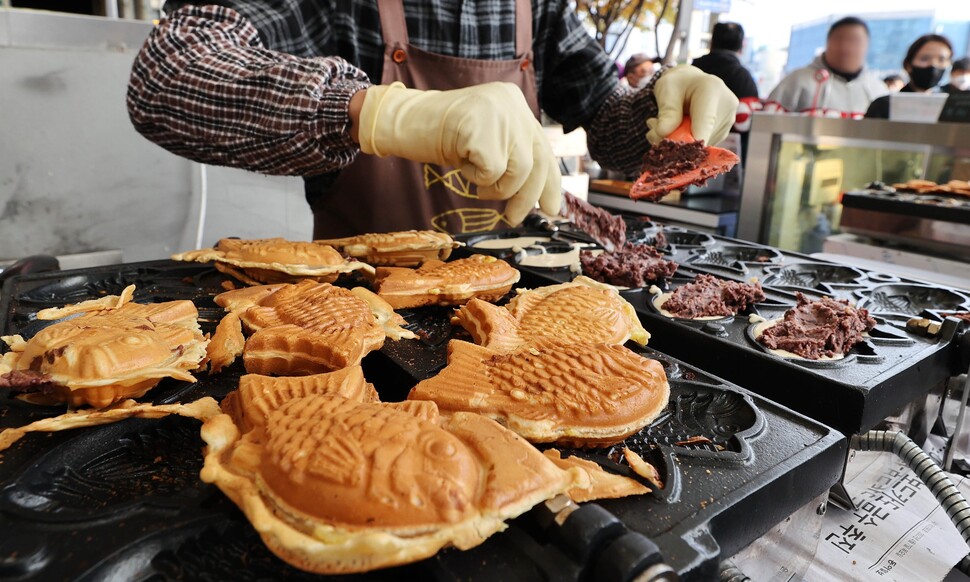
x: 563, y: 230
x: 718, y: 161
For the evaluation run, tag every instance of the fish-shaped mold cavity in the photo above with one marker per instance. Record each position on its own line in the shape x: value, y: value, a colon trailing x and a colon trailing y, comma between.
x: 571, y: 394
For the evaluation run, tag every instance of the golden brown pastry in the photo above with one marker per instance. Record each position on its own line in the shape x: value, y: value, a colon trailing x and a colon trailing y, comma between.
x: 407, y: 248
x: 275, y: 260
x: 257, y: 396
x: 916, y: 185
x: 583, y: 311
x: 336, y: 485
x: 226, y: 344
x: 601, y: 484
x: 201, y: 409
x: 454, y: 283
x: 113, y: 350
x: 550, y: 392
x: 310, y: 327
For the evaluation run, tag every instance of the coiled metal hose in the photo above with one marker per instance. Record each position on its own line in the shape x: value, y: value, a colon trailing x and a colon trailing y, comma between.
x: 949, y: 497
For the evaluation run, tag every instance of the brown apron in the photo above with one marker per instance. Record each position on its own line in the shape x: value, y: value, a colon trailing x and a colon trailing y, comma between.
x: 388, y: 194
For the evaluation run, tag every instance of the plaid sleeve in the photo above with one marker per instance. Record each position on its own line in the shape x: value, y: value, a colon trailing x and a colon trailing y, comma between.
x: 576, y: 76
x: 617, y: 135
x: 204, y: 87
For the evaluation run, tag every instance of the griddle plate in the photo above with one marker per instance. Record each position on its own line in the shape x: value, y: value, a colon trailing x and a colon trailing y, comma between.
x: 124, y: 500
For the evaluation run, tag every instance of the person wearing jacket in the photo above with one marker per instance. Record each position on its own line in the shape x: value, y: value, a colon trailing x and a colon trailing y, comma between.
x: 837, y: 79
x: 724, y: 62
x: 959, y: 77
x: 400, y: 114
x: 926, y: 61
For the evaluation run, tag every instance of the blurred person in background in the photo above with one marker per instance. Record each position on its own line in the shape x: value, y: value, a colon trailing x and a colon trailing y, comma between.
x: 959, y: 77
x: 837, y: 79
x: 893, y: 82
x: 638, y: 70
x: 926, y: 62
x: 724, y: 61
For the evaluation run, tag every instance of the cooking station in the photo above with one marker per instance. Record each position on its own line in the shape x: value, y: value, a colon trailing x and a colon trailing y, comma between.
x: 891, y: 368
x: 736, y: 455
x: 126, y: 498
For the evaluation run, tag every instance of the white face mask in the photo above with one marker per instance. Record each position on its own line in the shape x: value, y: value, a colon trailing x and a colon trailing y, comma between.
x: 961, y: 82
x: 643, y: 82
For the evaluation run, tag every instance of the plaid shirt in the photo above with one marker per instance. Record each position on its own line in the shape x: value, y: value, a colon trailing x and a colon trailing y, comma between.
x: 265, y: 86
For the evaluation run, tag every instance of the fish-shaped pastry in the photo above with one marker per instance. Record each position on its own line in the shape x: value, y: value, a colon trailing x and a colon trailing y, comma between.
x: 257, y: 396
x: 310, y: 327
x: 407, y: 248
x: 578, y: 395
x: 453, y: 283
x: 582, y: 311
x: 110, y: 351
x: 275, y: 260
x: 341, y: 485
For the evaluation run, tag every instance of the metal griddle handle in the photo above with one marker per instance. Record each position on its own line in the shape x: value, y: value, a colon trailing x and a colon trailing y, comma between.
x: 608, y: 550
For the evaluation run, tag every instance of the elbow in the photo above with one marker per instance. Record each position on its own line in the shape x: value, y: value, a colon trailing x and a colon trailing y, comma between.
x: 137, y: 108
x: 138, y: 97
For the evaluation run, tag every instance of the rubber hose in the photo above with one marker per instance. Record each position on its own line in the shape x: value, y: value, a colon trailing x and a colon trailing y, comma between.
x: 946, y: 493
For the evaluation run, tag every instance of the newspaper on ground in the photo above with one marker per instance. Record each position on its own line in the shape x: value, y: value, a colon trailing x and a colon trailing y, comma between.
x: 898, y: 531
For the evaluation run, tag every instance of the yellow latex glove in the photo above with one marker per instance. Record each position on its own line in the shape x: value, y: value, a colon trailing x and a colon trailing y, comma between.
x: 711, y: 105
x: 487, y: 131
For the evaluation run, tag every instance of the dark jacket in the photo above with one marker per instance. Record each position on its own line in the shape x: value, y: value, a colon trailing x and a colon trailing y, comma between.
x: 726, y: 65
x: 879, y: 109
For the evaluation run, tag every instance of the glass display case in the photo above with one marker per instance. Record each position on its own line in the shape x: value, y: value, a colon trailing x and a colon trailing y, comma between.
x: 798, y: 167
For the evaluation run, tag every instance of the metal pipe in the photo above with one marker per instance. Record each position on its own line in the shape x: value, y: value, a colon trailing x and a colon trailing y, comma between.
x: 958, y: 430
x: 111, y: 8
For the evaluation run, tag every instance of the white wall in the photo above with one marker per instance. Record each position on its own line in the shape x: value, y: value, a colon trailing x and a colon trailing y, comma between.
x: 76, y: 177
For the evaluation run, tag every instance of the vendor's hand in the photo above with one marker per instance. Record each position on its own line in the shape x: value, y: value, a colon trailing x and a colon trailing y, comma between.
x: 487, y: 131
x: 685, y: 89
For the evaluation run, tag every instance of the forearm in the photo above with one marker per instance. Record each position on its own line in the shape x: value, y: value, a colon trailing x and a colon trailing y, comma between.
x: 616, y: 136
x: 203, y: 87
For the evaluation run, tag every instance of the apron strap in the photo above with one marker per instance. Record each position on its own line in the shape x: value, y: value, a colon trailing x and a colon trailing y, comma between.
x: 394, y: 27
x: 523, y: 28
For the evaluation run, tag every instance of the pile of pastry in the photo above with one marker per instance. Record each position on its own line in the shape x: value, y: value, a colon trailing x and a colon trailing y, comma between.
x: 333, y: 479
x: 957, y: 187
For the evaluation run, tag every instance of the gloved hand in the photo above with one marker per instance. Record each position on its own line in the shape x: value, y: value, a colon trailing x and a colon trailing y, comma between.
x: 685, y: 89
x: 487, y: 131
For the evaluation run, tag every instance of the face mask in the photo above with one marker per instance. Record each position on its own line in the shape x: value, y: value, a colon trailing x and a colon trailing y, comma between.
x: 961, y: 82
x: 926, y: 77
x: 643, y: 81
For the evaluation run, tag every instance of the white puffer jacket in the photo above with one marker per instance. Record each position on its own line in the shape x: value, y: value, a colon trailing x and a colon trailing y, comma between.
x: 796, y: 92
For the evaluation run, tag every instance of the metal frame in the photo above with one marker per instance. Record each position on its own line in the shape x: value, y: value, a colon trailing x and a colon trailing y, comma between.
x: 768, y: 131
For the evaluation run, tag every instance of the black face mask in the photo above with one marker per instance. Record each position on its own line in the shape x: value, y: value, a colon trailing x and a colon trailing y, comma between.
x: 926, y: 77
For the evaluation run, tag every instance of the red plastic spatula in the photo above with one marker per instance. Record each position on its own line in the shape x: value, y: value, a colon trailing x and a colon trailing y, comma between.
x: 653, y: 187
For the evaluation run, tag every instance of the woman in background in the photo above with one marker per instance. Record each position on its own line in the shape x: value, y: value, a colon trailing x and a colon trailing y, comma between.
x: 926, y: 62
